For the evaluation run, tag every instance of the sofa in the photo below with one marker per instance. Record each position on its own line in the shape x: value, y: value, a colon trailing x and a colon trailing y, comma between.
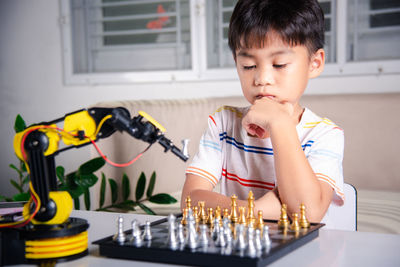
x: 371, y: 160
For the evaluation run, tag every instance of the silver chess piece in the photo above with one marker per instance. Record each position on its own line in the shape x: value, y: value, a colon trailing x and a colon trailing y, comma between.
x: 266, y: 240
x: 227, y: 231
x: 172, y: 237
x: 221, y: 241
x: 215, y: 231
x: 240, y: 243
x: 191, y: 237
x: 203, y: 237
x: 147, y: 232
x: 136, y: 236
x: 251, y: 247
x: 181, y: 234
x: 257, y: 240
x: 120, y: 236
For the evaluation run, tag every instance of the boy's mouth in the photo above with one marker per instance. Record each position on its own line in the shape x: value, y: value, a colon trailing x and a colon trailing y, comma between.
x: 267, y: 96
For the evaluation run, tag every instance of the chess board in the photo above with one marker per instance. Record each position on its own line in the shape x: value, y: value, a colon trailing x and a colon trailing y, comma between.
x: 157, y: 250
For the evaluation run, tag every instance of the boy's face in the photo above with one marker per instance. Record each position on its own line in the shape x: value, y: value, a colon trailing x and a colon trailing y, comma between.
x: 277, y: 70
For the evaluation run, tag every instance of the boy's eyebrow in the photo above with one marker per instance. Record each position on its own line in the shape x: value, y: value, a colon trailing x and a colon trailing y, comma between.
x: 244, y: 53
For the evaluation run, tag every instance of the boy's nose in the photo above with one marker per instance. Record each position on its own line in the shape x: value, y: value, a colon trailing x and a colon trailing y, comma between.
x: 263, y: 77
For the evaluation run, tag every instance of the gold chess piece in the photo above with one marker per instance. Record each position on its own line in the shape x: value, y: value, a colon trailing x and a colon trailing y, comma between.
x: 202, y: 212
x: 234, y: 215
x: 184, y: 216
x: 218, y: 215
x: 283, y: 222
x: 295, y: 226
x: 242, y: 216
x: 226, y: 213
x: 210, y: 217
x: 250, y: 219
x: 260, y: 221
x: 304, y: 223
x: 196, y: 214
x: 188, y: 202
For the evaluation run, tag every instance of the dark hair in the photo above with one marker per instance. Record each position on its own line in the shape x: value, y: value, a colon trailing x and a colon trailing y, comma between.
x: 298, y: 22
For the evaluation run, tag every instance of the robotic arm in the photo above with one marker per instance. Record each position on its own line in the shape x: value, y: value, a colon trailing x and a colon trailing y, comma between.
x: 38, y: 145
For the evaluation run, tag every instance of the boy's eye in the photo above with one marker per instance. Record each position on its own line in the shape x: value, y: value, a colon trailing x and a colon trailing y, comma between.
x: 249, y: 67
x: 279, y: 66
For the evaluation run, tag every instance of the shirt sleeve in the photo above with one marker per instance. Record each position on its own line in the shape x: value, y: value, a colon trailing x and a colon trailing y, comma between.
x: 207, y: 163
x: 326, y: 157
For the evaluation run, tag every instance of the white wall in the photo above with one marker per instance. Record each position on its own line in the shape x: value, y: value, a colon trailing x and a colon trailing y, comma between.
x: 31, y: 80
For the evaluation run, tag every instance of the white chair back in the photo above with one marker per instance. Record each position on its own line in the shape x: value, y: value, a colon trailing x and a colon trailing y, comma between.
x: 345, y: 217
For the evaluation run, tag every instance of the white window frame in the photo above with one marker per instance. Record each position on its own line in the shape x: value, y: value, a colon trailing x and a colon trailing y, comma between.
x: 200, y: 72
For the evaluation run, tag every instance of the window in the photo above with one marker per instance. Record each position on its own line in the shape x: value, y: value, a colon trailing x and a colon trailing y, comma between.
x: 128, y: 41
x: 124, y: 35
x: 374, y: 30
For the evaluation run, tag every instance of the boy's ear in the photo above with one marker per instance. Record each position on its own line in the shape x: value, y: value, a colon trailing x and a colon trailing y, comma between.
x: 317, y: 63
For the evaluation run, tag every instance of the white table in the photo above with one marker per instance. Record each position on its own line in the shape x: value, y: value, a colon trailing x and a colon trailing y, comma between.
x: 331, y: 248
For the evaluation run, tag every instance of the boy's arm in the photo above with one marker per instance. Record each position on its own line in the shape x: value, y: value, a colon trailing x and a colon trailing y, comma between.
x: 200, y: 189
x: 296, y: 180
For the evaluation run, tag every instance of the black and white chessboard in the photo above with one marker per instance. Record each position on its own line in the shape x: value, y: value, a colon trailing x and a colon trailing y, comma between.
x: 158, y: 250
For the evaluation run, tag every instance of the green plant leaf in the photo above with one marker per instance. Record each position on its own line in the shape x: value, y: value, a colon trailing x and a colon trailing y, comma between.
x: 17, y: 186
x: 114, y: 190
x: 152, y: 182
x: 87, y: 198
x: 12, y: 166
x: 21, y: 196
x: 26, y: 179
x: 162, y: 198
x: 126, y: 205
x: 146, y: 209
x: 23, y: 166
x: 141, y: 183
x: 19, y: 124
x: 87, y: 180
x: 60, y: 172
x: 91, y: 166
x: 126, y: 187
x: 102, y: 190
x: 77, y: 204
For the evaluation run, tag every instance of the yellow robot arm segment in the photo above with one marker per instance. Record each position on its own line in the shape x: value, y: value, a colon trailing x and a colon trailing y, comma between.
x: 152, y: 121
x: 79, y: 122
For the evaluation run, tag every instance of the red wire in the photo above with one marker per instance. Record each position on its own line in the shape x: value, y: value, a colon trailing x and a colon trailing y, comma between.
x: 120, y: 165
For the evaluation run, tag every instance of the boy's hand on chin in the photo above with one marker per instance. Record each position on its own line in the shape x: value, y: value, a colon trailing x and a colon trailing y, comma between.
x: 264, y: 114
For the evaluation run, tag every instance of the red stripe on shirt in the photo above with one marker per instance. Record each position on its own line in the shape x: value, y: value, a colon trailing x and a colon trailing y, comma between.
x: 212, y: 119
x: 247, y: 182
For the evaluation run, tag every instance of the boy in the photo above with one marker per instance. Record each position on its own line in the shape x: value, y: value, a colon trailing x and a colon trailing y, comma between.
x: 281, y: 151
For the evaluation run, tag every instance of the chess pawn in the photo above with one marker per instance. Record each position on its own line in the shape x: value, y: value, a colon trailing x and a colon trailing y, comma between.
x: 234, y: 215
x: 215, y: 229
x: 266, y: 241
x: 147, y: 236
x: 295, y: 226
x: 172, y: 239
x: 188, y: 202
x: 257, y: 240
x: 227, y: 230
x: 260, y: 221
x: 240, y: 241
x: 136, y: 236
x: 191, y: 237
x: 120, y: 236
x: 250, y: 209
x: 210, y: 217
x: 218, y: 215
x: 181, y: 234
x: 242, y: 217
x: 225, y: 213
x: 220, y: 241
x: 251, y: 246
x: 303, y: 219
x: 202, y: 212
x: 184, y: 216
x: 196, y: 214
x: 283, y: 222
x: 203, y: 238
